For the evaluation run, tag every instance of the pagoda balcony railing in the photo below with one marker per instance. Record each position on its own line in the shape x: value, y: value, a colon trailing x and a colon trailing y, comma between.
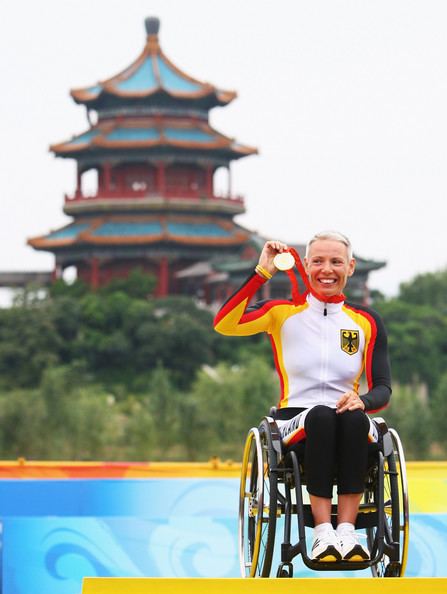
x: 127, y: 193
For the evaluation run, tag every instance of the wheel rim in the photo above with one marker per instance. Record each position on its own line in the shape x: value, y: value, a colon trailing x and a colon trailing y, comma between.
x: 251, y: 500
x: 257, y: 505
x: 270, y: 504
x: 404, y: 510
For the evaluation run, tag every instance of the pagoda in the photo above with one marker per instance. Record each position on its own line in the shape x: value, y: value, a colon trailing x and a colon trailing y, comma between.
x: 154, y: 154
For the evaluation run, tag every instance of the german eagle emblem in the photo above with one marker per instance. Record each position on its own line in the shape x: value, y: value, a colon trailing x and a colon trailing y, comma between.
x: 349, y: 341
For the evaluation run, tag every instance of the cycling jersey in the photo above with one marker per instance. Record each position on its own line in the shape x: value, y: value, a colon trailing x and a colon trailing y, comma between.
x: 320, y: 349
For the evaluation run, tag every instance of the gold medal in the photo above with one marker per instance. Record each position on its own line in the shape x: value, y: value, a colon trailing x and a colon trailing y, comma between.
x: 284, y: 261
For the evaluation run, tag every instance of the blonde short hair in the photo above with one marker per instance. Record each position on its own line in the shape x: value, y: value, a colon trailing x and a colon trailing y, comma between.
x: 333, y: 236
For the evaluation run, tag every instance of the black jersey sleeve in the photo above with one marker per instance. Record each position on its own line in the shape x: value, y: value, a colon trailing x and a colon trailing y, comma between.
x: 378, y: 370
x: 379, y: 393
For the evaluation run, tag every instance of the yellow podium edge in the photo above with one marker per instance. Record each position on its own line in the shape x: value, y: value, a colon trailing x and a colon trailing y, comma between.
x: 263, y: 586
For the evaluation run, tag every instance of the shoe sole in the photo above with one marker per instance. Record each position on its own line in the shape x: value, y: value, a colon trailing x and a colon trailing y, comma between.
x: 329, y: 555
x: 356, y: 554
x: 327, y: 559
x: 356, y: 558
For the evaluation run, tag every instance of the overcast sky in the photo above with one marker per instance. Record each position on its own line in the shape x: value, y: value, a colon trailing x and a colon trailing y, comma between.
x: 345, y: 100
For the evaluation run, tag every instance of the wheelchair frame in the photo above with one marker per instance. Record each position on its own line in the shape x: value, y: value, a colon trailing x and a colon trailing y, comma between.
x: 271, y: 475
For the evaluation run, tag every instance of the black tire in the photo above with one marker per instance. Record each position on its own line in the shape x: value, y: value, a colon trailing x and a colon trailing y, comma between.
x: 257, y: 504
x: 404, y: 508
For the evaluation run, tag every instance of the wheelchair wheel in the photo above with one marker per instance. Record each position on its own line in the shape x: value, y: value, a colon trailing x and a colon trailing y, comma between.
x: 404, y: 509
x: 396, y: 514
x: 257, y: 505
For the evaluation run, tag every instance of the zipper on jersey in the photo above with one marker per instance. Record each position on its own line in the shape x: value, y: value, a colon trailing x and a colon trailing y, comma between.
x: 325, y: 354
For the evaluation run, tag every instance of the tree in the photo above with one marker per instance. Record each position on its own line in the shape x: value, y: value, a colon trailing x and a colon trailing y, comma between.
x: 23, y: 430
x: 417, y: 336
x: 439, y: 412
x: 163, y: 403
x: 409, y: 413
x: 138, y: 284
x: 427, y: 289
x: 28, y: 344
x: 224, y: 402
x: 139, y: 439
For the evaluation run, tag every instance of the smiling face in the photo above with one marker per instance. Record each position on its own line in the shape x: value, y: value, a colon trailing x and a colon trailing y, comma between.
x: 328, y: 267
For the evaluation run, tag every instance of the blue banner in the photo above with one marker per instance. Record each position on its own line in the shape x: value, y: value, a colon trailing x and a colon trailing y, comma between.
x: 57, y: 532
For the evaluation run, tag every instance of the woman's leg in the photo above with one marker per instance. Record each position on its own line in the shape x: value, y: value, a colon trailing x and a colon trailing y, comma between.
x: 352, y: 458
x: 348, y: 507
x: 319, y: 463
x: 321, y: 509
x: 319, y: 459
x: 320, y: 453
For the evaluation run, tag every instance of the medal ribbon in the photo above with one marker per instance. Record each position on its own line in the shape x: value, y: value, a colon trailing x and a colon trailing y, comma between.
x: 298, y: 297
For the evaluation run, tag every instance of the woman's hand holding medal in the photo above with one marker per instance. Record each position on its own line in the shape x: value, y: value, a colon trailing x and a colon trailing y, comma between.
x: 275, y: 256
x: 271, y: 249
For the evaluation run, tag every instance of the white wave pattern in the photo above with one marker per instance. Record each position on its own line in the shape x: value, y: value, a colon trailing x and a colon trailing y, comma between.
x: 198, y: 539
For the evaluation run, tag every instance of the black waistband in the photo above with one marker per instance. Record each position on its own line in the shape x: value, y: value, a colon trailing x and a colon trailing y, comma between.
x: 284, y: 414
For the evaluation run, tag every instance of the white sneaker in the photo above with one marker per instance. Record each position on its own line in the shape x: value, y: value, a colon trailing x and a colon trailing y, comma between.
x: 326, y: 546
x: 351, y: 549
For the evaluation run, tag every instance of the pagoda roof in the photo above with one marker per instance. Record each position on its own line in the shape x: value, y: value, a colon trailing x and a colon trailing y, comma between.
x: 146, y: 133
x: 138, y: 230
x: 151, y: 74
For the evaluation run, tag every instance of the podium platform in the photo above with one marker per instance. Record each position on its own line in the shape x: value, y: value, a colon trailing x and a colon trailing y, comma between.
x: 263, y: 586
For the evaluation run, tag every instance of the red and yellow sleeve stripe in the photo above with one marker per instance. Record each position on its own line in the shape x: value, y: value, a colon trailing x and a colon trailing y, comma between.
x: 232, y: 319
x: 369, y: 327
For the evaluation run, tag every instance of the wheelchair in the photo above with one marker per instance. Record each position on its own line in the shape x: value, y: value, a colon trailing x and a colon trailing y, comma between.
x: 271, y: 494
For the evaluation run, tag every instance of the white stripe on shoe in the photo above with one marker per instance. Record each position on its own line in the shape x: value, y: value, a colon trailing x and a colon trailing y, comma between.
x: 326, y: 546
x: 351, y: 549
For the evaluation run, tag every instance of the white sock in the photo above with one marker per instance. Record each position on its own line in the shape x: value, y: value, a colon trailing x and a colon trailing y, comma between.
x: 345, y: 527
x: 322, y: 528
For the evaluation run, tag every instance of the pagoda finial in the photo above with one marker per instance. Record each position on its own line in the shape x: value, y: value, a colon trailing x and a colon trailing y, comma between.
x: 152, y: 25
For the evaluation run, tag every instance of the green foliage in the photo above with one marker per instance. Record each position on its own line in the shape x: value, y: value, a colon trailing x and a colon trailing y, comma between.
x: 138, y: 284
x: 416, y: 323
x: 65, y: 419
x: 68, y: 417
x: 114, y: 336
x: 23, y: 414
x: 28, y: 344
x: 417, y: 337
x: 224, y: 403
x: 409, y: 413
x: 212, y: 418
x: 429, y: 289
x: 439, y: 412
x: 62, y: 289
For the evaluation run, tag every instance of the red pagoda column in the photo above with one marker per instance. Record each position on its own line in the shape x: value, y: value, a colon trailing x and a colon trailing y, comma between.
x: 161, y: 178
x: 163, y: 277
x: 78, y: 181
x: 94, y: 273
x: 106, y: 170
x: 209, y: 181
x: 57, y: 272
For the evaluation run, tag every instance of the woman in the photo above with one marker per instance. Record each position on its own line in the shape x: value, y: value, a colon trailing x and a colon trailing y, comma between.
x: 322, y: 345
